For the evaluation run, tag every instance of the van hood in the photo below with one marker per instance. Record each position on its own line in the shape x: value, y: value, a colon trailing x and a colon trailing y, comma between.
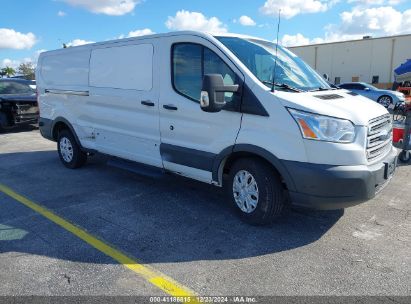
x: 337, y: 103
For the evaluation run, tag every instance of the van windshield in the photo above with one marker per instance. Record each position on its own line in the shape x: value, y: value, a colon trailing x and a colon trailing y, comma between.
x: 291, y: 73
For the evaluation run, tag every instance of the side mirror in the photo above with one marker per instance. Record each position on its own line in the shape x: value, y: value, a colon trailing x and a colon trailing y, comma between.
x: 367, y: 89
x: 212, y: 93
x: 326, y: 77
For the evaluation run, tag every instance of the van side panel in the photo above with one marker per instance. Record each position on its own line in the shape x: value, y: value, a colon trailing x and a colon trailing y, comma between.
x: 62, y: 85
x: 126, y: 67
x: 68, y: 69
x: 109, y: 94
x: 122, y: 108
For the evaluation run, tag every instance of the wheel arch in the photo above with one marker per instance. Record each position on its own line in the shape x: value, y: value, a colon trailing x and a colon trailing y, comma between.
x: 228, y: 156
x: 61, y: 123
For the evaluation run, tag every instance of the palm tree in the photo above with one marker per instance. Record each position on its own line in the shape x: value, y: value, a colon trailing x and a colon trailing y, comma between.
x: 8, y: 71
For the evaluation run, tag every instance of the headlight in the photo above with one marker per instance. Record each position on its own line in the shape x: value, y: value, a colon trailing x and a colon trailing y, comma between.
x: 319, y: 127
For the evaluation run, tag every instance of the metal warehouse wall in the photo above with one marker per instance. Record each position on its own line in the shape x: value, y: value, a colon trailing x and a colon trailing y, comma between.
x: 358, y: 60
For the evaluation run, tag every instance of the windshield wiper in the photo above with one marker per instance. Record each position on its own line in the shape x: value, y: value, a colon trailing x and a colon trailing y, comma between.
x: 282, y: 85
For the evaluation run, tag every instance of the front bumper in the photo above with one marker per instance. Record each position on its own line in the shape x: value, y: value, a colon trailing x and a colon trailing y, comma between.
x: 336, y: 187
x: 46, y: 126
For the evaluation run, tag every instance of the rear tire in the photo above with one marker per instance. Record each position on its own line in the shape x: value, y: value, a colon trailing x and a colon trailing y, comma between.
x: 256, y: 191
x: 69, y: 151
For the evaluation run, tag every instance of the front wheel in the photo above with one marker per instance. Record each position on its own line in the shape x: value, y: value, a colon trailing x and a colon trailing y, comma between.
x: 256, y: 191
x: 69, y: 151
x: 385, y: 101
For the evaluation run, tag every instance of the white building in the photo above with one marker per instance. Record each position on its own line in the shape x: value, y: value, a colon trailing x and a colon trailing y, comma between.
x: 371, y: 60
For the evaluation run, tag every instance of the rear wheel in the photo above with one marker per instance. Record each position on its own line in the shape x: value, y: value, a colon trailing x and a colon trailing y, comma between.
x: 69, y: 151
x: 256, y: 191
x: 385, y: 101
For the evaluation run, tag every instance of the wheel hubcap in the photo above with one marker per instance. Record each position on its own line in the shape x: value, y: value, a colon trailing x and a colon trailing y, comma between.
x: 66, y: 149
x: 245, y: 191
x: 385, y: 101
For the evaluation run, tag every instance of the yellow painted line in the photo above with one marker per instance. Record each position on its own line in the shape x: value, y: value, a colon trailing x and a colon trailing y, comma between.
x: 155, y: 277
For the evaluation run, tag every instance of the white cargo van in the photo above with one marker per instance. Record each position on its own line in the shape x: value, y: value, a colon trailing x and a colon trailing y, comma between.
x: 207, y: 107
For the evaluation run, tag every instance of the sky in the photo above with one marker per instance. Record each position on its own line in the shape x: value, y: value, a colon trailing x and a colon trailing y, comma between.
x: 28, y: 27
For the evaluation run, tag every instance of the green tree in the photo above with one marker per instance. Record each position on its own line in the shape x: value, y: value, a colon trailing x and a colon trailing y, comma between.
x: 8, y: 71
x: 27, y: 70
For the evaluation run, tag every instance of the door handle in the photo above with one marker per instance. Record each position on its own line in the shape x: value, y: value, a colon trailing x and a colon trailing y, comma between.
x: 170, y: 107
x: 147, y: 103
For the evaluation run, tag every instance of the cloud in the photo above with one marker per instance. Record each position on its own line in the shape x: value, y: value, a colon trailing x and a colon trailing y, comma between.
x: 137, y: 33
x: 142, y: 32
x: 246, y: 21
x: 291, y: 8
x: 78, y: 42
x: 7, y: 62
x: 61, y: 14
x: 14, y: 63
x: 293, y: 40
x: 366, y: 2
x: 10, y: 39
x: 383, y: 20
x: 375, y: 2
x: 107, y: 7
x: 357, y: 23
x: 299, y: 39
x: 185, y: 20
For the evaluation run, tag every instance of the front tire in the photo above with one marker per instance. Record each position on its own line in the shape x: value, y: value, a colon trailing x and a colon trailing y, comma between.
x: 385, y: 101
x: 256, y: 191
x: 69, y: 151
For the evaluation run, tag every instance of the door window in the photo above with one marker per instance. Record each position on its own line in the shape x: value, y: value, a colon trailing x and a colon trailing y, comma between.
x: 187, y: 69
x: 347, y: 86
x: 337, y: 80
x: 358, y: 86
x: 191, y: 62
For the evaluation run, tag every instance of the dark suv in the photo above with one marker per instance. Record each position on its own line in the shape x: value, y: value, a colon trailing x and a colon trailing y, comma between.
x: 18, y: 102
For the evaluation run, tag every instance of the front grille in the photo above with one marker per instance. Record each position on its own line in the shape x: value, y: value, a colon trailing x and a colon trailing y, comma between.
x: 23, y: 109
x: 379, y: 138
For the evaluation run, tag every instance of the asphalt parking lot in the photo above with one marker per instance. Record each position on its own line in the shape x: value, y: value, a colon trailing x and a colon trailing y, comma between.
x: 188, y: 232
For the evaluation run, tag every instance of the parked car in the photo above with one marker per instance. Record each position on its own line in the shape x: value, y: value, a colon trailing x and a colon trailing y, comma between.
x: 383, y: 97
x: 18, y: 102
x: 209, y: 108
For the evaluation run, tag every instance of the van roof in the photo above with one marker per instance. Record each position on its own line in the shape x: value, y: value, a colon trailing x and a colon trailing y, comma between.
x: 176, y: 33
